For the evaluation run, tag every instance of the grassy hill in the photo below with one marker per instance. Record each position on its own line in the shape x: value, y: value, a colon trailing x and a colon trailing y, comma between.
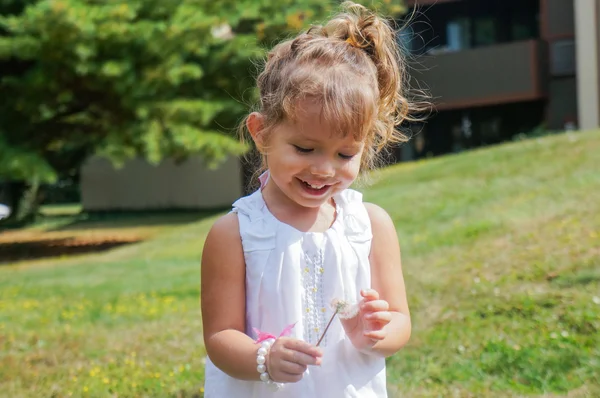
x: 501, y: 254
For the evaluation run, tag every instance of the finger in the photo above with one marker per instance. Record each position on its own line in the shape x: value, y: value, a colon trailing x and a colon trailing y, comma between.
x: 303, y: 347
x: 301, y: 358
x: 292, y: 368
x: 376, y: 334
x: 284, y: 377
x: 370, y: 294
x: 375, y: 306
x: 380, y: 317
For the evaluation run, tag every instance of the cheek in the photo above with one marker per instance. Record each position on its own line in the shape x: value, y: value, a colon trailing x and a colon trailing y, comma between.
x: 293, y: 159
x: 352, y: 168
x: 288, y: 160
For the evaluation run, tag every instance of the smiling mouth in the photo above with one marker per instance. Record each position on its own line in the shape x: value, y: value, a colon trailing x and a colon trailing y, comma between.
x: 315, y: 189
x: 314, y: 186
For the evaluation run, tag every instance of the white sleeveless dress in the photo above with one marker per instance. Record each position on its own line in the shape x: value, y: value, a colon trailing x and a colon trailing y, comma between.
x: 292, y: 277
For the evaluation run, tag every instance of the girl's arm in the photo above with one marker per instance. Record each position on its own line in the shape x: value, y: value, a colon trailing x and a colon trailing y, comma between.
x: 223, y: 296
x: 223, y: 301
x: 388, y: 283
x: 382, y: 325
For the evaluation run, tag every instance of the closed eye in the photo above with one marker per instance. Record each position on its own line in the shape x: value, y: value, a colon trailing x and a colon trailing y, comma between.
x: 345, y: 157
x: 303, y: 150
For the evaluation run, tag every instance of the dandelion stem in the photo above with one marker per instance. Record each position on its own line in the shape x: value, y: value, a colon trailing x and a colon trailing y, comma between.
x: 327, y: 327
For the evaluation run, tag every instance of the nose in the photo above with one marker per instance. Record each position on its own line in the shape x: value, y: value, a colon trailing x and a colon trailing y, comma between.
x: 322, y: 168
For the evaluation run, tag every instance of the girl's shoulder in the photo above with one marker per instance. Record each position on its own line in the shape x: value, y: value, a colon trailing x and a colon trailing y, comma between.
x: 383, y: 230
x: 225, y: 229
x: 378, y: 216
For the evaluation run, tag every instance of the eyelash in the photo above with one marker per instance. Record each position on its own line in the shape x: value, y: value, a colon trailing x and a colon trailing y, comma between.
x: 304, y: 151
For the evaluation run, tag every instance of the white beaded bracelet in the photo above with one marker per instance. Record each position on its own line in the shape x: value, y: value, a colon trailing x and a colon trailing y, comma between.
x: 261, y: 359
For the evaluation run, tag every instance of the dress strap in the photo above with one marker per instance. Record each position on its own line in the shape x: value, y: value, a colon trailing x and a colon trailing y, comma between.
x: 258, y: 232
x: 357, y: 223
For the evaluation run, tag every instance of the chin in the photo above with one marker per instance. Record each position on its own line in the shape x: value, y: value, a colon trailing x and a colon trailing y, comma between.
x: 311, y: 203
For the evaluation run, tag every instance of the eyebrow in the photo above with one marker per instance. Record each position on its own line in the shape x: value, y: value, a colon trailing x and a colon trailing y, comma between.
x: 356, y: 145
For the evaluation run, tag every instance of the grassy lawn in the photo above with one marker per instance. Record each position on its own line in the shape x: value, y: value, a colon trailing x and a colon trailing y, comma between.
x: 501, y: 253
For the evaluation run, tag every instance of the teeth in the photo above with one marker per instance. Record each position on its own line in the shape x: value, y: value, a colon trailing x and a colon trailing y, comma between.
x: 313, y: 186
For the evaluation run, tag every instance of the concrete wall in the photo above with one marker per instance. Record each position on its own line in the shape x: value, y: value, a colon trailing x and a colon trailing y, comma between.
x: 586, y: 50
x: 140, y: 185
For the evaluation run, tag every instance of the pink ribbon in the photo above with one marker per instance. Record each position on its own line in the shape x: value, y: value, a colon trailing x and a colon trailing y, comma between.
x: 264, y: 178
x: 262, y: 336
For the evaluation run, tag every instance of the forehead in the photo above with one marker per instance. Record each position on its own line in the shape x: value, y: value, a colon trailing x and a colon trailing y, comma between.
x: 309, y: 123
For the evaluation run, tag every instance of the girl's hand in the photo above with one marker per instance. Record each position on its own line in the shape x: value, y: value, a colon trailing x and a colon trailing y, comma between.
x: 289, y: 358
x: 367, y: 328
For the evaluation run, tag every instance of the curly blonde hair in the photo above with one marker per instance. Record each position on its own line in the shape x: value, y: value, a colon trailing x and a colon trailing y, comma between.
x: 353, y: 69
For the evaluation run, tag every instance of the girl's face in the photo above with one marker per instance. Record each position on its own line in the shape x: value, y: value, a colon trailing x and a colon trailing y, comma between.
x: 308, y: 162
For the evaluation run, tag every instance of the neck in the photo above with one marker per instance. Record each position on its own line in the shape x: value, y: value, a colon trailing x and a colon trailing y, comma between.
x: 316, y: 219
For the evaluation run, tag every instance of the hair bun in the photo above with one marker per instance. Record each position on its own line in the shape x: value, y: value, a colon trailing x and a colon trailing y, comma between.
x: 363, y: 29
x: 359, y: 27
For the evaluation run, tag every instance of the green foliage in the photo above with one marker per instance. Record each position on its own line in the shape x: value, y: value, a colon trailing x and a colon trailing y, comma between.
x: 147, y: 78
x: 23, y: 165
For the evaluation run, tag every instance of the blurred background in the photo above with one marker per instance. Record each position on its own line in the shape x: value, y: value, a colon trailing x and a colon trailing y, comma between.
x: 119, y: 149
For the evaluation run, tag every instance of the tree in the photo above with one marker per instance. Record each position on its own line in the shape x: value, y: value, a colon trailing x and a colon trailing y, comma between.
x: 149, y: 78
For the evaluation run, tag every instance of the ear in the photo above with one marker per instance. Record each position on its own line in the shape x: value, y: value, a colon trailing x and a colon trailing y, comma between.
x: 255, y: 125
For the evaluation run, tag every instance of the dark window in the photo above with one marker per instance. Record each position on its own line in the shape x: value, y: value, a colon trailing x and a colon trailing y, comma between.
x: 460, y: 25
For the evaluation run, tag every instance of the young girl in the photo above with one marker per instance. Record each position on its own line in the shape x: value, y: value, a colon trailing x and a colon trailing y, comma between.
x: 329, y: 102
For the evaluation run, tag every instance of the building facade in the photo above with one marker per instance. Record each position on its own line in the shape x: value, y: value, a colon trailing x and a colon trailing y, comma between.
x: 497, y: 68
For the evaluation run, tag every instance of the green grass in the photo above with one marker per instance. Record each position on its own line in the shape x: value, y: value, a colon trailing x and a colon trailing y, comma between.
x: 501, y: 253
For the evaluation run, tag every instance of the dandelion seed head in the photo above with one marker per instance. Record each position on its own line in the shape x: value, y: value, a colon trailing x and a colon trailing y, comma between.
x: 344, y: 309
